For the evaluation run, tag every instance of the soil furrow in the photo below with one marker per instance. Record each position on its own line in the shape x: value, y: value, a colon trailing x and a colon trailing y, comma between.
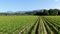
x: 32, y: 27
x: 36, y: 32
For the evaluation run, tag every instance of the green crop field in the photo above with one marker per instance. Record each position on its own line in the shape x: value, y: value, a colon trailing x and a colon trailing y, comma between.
x: 53, y: 23
x: 29, y: 24
x: 15, y: 24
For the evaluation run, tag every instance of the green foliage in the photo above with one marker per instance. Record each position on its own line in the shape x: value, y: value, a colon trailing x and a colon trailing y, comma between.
x: 53, y: 22
x: 14, y: 24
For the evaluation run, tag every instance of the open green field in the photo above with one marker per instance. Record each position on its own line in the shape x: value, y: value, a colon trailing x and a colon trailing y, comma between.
x: 29, y: 24
x: 15, y: 24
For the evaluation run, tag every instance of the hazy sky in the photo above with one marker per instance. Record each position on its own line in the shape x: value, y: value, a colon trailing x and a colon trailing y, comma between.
x: 26, y: 5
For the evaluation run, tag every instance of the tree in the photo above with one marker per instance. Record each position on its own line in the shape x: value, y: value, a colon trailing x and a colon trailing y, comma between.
x: 45, y: 12
x: 39, y: 12
x: 53, y: 12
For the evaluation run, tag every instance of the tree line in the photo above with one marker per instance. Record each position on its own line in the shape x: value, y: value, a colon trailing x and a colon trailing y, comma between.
x: 36, y: 12
x: 45, y: 12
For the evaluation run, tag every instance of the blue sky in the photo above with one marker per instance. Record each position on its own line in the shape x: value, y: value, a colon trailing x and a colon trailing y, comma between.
x: 28, y: 5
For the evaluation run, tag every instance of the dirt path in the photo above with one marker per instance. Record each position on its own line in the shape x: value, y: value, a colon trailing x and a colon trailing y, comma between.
x: 42, y: 29
x: 22, y: 31
x: 45, y: 31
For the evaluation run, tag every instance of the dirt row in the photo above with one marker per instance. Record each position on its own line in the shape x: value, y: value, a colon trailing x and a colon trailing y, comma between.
x: 40, y: 29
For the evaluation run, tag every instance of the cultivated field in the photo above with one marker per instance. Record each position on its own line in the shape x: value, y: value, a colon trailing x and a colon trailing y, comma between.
x: 29, y: 24
x: 15, y: 24
x: 52, y: 24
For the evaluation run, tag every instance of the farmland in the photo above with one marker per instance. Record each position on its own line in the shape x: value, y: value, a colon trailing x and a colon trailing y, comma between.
x: 14, y: 24
x: 29, y: 24
x: 52, y: 24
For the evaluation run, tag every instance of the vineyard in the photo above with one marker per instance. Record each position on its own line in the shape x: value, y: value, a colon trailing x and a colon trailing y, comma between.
x: 29, y: 24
